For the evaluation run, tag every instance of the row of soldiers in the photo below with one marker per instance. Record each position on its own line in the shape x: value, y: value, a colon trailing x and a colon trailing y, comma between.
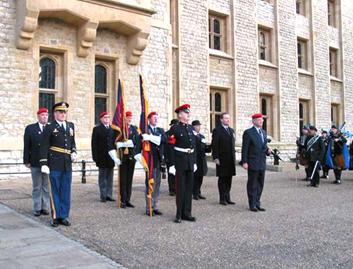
x: 50, y: 149
x: 322, y: 152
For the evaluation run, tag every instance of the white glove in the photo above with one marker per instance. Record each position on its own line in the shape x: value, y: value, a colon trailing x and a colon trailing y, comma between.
x: 172, y: 170
x: 216, y: 161
x: 45, y: 169
x: 138, y: 158
x: 126, y: 144
x: 155, y: 139
x: 73, y: 156
x: 195, y: 167
x: 113, y: 155
x: 146, y: 137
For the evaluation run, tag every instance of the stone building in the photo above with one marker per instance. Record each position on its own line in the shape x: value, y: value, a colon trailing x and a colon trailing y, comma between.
x: 292, y: 60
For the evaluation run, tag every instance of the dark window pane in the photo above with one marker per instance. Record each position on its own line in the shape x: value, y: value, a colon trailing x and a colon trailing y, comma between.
x: 217, y: 42
x: 264, y: 126
x: 262, y: 54
x: 263, y: 106
x: 300, y: 62
x: 301, y: 111
x: 218, y: 120
x: 299, y: 48
x: 210, y: 41
x: 218, y: 102
x: 47, y: 100
x: 298, y: 7
x: 216, y: 26
x: 47, y: 74
x: 100, y: 106
x: 211, y: 106
x: 301, y: 125
x: 100, y: 79
x: 211, y: 121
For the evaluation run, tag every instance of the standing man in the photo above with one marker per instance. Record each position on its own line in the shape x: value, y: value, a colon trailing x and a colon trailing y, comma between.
x: 337, y: 143
x: 105, y: 164
x: 325, y: 167
x: 316, y: 151
x: 33, y: 138
x: 183, y: 163
x: 223, y: 153
x: 129, y: 150
x: 253, y: 159
x: 201, y: 149
x: 301, y: 151
x: 168, y: 153
x: 157, y: 140
x: 57, y: 153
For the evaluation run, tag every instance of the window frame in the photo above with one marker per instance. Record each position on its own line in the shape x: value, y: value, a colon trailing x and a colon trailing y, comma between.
x: 334, y: 62
x: 265, y: 47
x: 332, y: 13
x: 224, y: 104
x: 268, y: 116
x: 212, y: 16
x: 304, y: 56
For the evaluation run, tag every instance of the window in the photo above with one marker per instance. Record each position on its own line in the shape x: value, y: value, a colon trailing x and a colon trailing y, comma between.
x: 331, y: 12
x: 266, y: 110
x: 303, y: 113
x: 335, y: 114
x: 50, y: 81
x: 217, y: 106
x: 101, y: 91
x: 302, y: 49
x: 174, y: 20
x: 217, y: 32
x: 264, y: 44
x: 333, y: 62
x: 300, y: 7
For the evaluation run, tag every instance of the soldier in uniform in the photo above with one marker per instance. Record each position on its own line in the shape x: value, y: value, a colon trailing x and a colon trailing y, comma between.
x: 33, y: 138
x: 168, y: 151
x: 315, y: 149
x: 57, y: 153
x: 105, y: 164
x: 157, y: 139
x: 131, y: 152
x: 201, y: 149
x: 325, y: 168
x: 183, y: 162
x: 337, y: 141
x: 301, y: 151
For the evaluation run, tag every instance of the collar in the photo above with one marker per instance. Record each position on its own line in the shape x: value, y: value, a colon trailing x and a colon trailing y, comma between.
x: 225, y: 127
x: 257, y: 128
x: 195, y: 133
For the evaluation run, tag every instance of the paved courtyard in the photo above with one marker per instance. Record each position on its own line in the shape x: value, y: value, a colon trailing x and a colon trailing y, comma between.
x: 302, y: 227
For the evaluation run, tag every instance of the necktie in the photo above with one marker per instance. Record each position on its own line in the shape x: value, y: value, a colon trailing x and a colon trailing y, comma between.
x: 260, y: 133
x: 228, y: 130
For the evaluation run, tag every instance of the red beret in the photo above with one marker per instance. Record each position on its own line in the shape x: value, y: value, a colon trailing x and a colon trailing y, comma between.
x: 128, y: 114
x: 42, y: 110
x: 101, y: 115
x: 184, y: 108
x: 257, y: 116
x: 153, y: 113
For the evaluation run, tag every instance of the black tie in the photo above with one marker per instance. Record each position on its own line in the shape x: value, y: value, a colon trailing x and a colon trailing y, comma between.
x: 260, y: 133
x: 229, y: 132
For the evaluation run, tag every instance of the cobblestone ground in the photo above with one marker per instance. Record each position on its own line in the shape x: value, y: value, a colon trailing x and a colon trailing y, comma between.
x: 302, y: 227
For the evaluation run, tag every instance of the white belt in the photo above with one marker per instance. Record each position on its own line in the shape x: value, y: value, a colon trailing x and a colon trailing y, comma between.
x: 184, y: 150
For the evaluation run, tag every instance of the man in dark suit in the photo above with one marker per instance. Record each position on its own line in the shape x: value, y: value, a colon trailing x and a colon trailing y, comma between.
x: 130, y: 151
x: 253, y: 159
x: 223, y: 153
x: 157, y: 139
x: 57, y: 152
x: 32, y: 140
x: 168, y: 150
x: 99, y: 146
x: 201, y: 149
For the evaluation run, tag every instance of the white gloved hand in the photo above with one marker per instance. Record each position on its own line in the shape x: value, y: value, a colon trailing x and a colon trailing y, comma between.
x: 73, y: 156
x: 195, y: 167
x: 155, y: 139
x: 146, y: 137
x: 138, y: 158
x: 126, y: 144
x: 113, y: 154
x: 45, y: 169
x: 172, y: 170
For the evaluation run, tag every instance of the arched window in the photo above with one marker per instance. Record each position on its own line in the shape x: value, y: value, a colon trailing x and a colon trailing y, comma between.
x: 100, y: 79
x: 101, y: 91
x: 47, y: 73
x: 262, y: 45
x: 217, y: 106
x: 217, y: 31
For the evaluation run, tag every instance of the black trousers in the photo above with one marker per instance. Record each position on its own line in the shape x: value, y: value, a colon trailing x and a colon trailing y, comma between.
x: 171, y: 182
x: 307, y: 173
x: 224, y: 187
x: 315, y: 180
x: 338, y: 174
x: 198, y: 179
x: 255, y: 186
x: 126, y: 170
x: 183, y: 186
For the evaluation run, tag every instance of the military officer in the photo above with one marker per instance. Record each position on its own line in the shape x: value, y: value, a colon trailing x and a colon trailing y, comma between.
x: 183, y: 160
x: 57, y: 152
x: 168, y: 151
x: 131, y: 152
x: 157, y: 139
x: 336, y: 144
x: 32, y: 140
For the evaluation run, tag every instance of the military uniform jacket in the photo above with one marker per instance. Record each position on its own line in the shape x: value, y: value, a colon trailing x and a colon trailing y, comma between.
x: 158, y: 151
x: 201, y: 149
x: 168, y: 150
x: 223, y: 148
x: 99, y: 146
x: 181, y: 135
x: 134, y: 135
x: 55, y: 136
x: 315, y: 148
x: 33, y: 138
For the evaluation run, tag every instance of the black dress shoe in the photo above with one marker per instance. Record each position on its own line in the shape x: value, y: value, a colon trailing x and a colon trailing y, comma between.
x: 110, y: 199
x: 311, y: 185
x: 202, y: 197
x: 128, y: 204
x: 195, y: 198
x: 65, y: 222
x: 254, y: 209
x: 44, y: 212
x: 157, y: 212
x: 54, y: 223
x: 148, y: 214
x: 123, y: 205
x: 222, y: 203
x: 177, y: 220
x: 103, y: 200
x: 36, y: 213
x: 259, y: 208
x: 230, y: 202
x: 188, y: 218
x: 171, y: 193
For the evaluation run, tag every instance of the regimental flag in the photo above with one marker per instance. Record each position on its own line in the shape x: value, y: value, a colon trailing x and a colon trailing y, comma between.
x: 119, y: 120
x: 147, y: 160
